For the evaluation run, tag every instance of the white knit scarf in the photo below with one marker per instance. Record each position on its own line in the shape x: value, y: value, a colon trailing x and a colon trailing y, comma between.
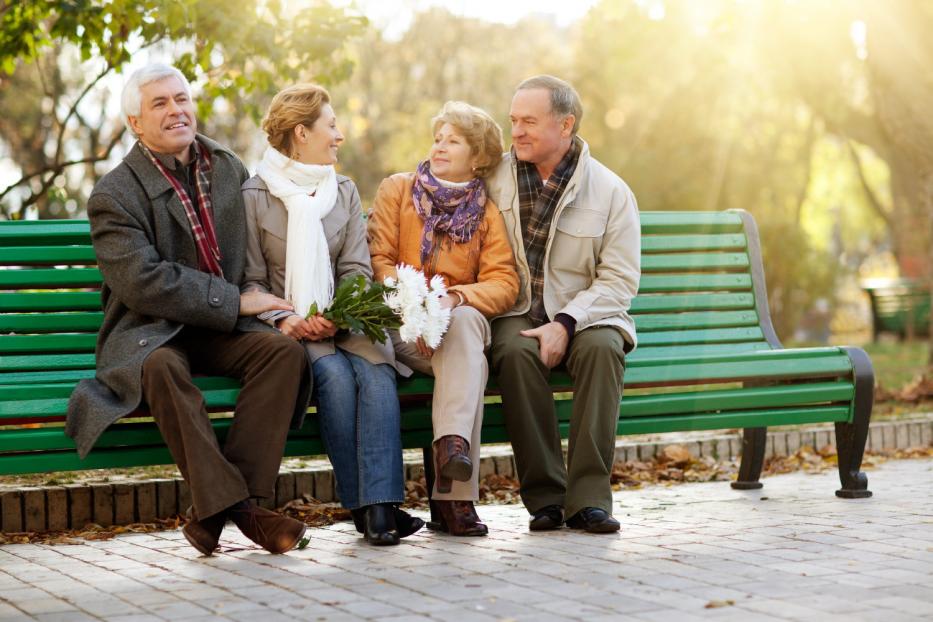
x: 309, y: 277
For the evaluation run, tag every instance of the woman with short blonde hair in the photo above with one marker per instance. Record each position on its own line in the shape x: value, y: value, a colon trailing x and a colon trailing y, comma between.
x: 439, y: 219
x: 305, y: 235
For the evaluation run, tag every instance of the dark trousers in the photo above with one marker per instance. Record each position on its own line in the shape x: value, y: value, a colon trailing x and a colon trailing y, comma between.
x: 596, y: 363
x: 270, y: 367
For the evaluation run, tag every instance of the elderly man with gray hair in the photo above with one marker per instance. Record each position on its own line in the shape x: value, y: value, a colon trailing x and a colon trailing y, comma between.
x: 575, y: 231
x: 168, y: 227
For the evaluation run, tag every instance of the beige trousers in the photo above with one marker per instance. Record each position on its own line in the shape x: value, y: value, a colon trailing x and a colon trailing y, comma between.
x: 460, y: 371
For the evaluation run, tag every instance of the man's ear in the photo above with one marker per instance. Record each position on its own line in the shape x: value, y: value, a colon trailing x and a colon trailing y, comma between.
x: 566, y: 126
x: 135, y: 125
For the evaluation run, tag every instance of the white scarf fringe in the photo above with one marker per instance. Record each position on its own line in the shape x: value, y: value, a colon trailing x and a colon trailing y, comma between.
x: 309, y: 277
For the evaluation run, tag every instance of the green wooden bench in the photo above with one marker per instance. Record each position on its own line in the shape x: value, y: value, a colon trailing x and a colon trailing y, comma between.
x: 708, y: 357
x: 899, y: 306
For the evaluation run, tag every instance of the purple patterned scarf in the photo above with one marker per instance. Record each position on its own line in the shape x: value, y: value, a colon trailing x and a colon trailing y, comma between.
x: 454, y: 211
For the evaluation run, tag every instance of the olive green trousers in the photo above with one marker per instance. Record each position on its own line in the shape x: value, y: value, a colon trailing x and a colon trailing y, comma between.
x: 596, y: 364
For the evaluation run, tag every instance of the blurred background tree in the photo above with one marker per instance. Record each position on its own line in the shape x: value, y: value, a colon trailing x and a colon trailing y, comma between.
x: 811, y: 115
x: 58, y: 93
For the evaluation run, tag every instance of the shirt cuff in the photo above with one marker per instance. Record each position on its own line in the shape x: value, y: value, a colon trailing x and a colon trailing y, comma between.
x: 569, y: 324
x: 273, y: 316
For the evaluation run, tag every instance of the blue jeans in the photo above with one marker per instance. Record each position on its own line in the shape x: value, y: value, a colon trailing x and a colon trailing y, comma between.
x: 358, y: 412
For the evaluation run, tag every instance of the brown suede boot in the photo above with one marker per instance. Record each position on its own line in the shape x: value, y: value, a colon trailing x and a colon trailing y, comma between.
x: 452, y: 460
x: 268, y: 529
x: 459, y: 518
x: 204, y: 534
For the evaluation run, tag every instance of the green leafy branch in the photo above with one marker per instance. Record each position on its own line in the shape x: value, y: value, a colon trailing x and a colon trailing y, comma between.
x: 360, y: 306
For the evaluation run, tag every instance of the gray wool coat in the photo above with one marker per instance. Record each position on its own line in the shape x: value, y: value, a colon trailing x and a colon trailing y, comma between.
x: 152, y: 286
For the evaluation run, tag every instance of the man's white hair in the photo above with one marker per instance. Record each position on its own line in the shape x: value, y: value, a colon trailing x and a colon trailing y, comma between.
x: 131, y: 100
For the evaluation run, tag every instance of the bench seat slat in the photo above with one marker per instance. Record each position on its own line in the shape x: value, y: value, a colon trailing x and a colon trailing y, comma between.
x: 36, y: 232
x: 693, y: 282
x: 48, y: 343
x: 47, y: 255
x: 671, y: 243
x: 676, y: 303
x: 726, y: 420
x: 50, y: 278
x: 18, y: 378
x: 714, y: 335
x: 45, y: 363
x: 50, y: 322
x: 50, y: 301
x: 689, y: 222
x: 696, y: 373
x: 736, y: 399
x: 646, y: 322
x: 692, y: 262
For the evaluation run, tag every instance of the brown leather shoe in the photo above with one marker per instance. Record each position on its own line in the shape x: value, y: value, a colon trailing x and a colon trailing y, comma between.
x: 268, y: 529
x: 452, y: 460
x: 204, y: 534
x: 458, y: 518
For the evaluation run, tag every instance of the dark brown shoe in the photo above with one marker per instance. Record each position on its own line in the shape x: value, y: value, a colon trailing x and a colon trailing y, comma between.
x: 458, y: 518
x: 452, y: 460
x: 268, y: 529
x: 204, y: 534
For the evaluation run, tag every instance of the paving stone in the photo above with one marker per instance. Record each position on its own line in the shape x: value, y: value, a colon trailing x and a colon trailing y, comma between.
x: 80, y: 505
x: 735, y: 446
x: 56, y: 503
x: 304, y: 482
x: 505, y: 465
x: 902, y: 436
x: 34, y: 509
x: 102, y: 504
x: 124, y: 504
x: 166, y: 498
x: 802, y: 555
x: 324, y: 486
x: 890, y: 436
x: 146, y: 500
x: 486, y: 467
x: 284, y: 488
x: 647, y: 451
x: 12, y: 511
x: 184, y: 495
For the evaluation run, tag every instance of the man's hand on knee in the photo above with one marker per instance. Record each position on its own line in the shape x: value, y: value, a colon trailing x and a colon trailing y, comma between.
x: 552, y: 340
x: 255, y: 302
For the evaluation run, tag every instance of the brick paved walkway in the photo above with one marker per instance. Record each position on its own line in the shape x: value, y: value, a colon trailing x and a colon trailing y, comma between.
x: 791, y: 551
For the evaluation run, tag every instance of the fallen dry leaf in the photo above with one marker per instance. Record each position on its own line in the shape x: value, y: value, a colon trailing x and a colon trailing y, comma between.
x: 716, y: 604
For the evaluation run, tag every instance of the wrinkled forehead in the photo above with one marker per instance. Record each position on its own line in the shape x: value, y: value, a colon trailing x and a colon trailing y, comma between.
x: 169, y: 86
x: 531, y: 103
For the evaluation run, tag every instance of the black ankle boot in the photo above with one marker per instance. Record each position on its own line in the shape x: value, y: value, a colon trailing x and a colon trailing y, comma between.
x: 379, y: 526
x: 404, y: 522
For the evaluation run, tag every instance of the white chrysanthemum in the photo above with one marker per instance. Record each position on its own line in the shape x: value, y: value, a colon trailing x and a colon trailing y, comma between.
x: 417, y: 303
x: 437, y: 285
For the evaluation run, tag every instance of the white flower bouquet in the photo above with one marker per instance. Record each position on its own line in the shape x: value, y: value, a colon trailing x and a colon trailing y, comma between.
x: 409, y: 303
x: 418, y: 303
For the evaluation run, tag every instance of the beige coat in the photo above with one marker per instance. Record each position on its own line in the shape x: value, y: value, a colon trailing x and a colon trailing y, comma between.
x: 592, y: 261
x: 267, y: 227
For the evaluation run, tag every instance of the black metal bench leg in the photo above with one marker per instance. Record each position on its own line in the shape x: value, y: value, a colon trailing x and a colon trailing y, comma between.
x: 428, y: 457
x: 754, y: 441
x: 851, y: 437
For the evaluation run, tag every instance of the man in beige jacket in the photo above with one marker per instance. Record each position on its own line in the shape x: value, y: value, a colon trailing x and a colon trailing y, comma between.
x: 574, y: 227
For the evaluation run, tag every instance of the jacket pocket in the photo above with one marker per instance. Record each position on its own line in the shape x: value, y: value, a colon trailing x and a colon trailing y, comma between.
x: 581, y: 222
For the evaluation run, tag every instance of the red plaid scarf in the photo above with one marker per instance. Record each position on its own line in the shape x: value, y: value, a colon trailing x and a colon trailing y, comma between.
x: 537, y: 203
x: 205, y: 237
